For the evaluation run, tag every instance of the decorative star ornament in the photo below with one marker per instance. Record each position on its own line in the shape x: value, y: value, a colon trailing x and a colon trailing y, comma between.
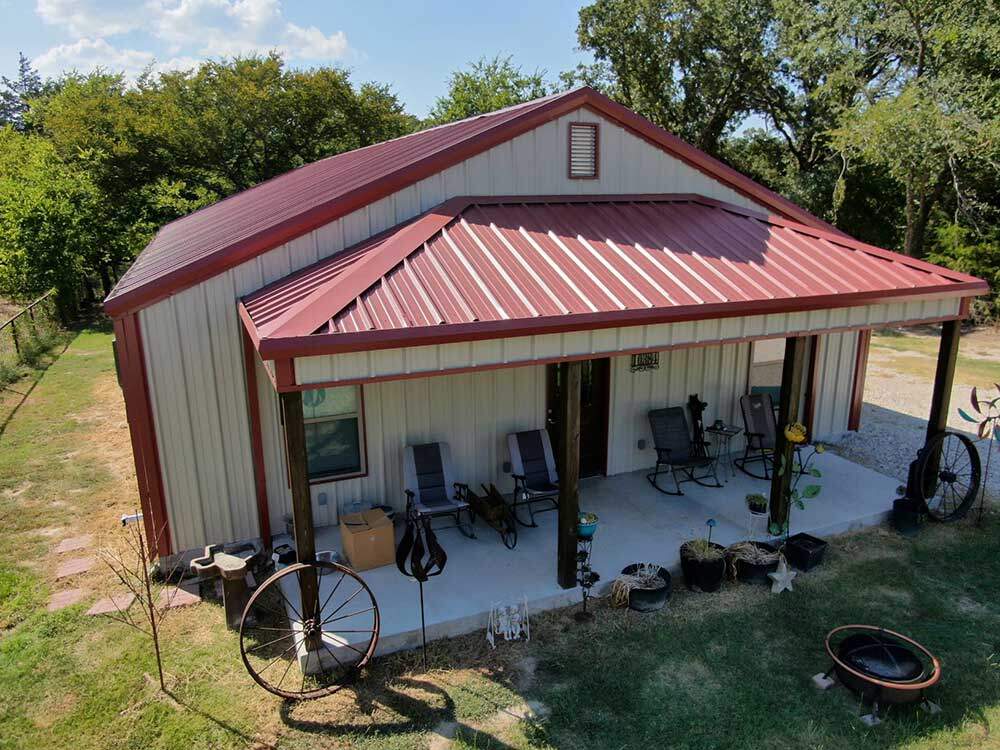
x: 781, y: 579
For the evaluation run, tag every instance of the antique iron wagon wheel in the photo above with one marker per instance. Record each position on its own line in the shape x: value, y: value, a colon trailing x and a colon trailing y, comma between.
x: 950, y: 471
x: 301, y: 657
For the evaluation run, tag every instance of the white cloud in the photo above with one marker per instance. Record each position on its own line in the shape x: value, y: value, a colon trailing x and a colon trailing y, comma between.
x: 184, y: 30
x: 86, y: 54
x: 312, y: 44
x: 89, y: 18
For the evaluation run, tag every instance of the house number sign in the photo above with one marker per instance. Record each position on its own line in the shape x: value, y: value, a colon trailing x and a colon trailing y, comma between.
x: 645, y: 361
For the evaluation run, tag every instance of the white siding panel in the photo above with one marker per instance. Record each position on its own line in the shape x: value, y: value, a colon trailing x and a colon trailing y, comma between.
x: 834, y: 383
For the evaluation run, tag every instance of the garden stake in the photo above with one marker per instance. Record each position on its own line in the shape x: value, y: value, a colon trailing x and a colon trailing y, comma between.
x: 426, y: 558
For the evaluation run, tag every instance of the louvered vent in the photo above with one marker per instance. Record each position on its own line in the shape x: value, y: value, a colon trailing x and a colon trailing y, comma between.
x: 583, y: 150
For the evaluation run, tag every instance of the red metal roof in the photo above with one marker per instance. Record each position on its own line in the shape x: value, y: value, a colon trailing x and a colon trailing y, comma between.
x: 487, y: 267
x: 206, y: 242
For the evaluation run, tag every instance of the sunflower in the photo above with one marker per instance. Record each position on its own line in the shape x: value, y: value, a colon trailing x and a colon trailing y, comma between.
x: 795, y: 433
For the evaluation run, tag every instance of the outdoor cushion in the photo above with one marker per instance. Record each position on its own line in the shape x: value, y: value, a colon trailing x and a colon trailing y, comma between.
x: 428, y: 475
x: 531, y: 457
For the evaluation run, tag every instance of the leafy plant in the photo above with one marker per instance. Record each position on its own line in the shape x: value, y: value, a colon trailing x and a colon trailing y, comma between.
x: 796, y: 433
x: 702, y: 550
x: 756, y: 502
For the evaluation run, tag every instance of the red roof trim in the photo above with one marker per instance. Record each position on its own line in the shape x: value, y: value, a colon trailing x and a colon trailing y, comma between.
x: 159, y: 287
x: 339, y: 343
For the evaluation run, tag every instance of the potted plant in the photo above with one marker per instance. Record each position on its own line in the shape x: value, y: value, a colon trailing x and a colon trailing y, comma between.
x: 750, y: 562
x: 643, y: 587
x: 586, y: 525
x: 757, y: 504
x: 703, y: 562
x: 803, y: 551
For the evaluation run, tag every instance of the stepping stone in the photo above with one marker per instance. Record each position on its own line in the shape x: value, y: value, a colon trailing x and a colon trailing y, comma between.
x: 62, y: 599
x: 173, y: 596
x: 74, y: 543
x: 74, y: 567
x: 110, y: 604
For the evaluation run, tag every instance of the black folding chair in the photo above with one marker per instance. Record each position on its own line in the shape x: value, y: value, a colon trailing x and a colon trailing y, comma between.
x: 760, y: 425
x: 676, y: 452
x: 430, y: 489
x: 533, y: 466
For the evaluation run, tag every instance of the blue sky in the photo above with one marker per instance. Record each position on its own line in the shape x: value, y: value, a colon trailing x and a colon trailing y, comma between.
x: 413, y: 46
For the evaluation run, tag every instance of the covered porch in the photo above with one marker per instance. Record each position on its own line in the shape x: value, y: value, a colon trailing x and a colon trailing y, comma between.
x: 637, y: 524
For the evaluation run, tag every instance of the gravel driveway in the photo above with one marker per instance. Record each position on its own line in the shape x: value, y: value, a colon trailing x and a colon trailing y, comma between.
x: 894, y: 419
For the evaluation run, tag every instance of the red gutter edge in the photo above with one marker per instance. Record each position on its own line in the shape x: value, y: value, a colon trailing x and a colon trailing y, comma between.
x: 860, y: 370
x: 142, y: 430
x: 284, y: 372
x: 256, y: 440
x: 338, y: 343
x: 197, y: 271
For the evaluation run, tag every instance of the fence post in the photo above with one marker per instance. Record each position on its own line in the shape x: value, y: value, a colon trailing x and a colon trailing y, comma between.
x: 13, y: 333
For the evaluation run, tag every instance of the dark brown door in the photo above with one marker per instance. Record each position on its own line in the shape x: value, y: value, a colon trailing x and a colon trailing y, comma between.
x: 594, y: 393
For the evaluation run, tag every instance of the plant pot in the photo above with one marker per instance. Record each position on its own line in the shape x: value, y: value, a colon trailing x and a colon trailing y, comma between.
x: 649, y: 600
x: 586, y: 529
x: 805, y: 551
x: 703, y: 575
x: 749, y: 572
x: 907, y: 516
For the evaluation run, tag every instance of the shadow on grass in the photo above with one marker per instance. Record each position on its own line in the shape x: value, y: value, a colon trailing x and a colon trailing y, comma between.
x: 417, y: 714
x: 23, y: 387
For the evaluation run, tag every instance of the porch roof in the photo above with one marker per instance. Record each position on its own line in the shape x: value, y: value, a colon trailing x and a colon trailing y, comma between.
x: 477, y: 268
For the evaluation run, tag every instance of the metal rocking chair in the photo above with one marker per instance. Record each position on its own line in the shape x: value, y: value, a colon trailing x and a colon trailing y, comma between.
x: 677, y: 452
x: 533, y: 467
x: 430, y: 489
x: 760, y: 425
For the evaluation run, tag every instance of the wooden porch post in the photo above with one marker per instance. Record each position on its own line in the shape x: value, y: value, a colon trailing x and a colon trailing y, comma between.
x: 788, y: 411
x: 568, y: 463
x: 298, y: 473
x: 944, y: 377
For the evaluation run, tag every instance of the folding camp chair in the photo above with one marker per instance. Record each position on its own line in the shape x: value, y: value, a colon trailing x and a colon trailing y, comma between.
x: 676, y: 452
x: 533, y: 466
x: 760, y: 425
x: 430, y: 489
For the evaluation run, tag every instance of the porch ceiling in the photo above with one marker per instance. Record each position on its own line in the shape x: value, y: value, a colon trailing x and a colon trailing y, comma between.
x: 477, y: 268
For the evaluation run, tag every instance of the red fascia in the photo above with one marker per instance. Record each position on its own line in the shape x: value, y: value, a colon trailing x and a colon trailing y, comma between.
x: 142, y: 430
x: 338, y: 343
x: 860, y: 371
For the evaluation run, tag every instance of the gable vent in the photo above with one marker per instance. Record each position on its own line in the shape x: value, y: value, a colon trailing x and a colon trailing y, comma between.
x: 583, y: 152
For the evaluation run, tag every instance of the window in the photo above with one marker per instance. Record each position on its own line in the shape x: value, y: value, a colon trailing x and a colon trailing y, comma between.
x: 583, y: 152
x: 334, y: 421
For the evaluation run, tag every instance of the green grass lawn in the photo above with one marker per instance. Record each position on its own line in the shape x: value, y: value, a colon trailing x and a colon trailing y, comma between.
x: 722, y: 670
x: 914, y: 352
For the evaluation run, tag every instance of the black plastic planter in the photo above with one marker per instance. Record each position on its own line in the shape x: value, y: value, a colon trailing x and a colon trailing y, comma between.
x: 749, y: 572
x: 703, y: 575
x: 805, y: 551
x: 648, y: 600
x: 907, y: 516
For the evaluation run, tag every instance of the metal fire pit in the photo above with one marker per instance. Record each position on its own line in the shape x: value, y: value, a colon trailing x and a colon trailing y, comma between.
x: 882, y: 666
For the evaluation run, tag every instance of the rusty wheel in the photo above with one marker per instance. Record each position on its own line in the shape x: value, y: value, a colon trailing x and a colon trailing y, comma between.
x: 302, y: 647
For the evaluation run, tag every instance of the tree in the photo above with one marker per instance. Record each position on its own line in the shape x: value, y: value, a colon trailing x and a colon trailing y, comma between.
x: 54, y: 229
x: 487, y: 85
x: 932, y: 118
x: 16, y: 94
x: 691, y: 66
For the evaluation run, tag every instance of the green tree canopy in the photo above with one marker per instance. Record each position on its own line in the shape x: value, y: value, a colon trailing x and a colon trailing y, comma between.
x: 487, y: 85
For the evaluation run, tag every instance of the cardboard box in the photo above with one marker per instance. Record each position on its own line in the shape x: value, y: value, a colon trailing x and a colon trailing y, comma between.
x: 368, y: 539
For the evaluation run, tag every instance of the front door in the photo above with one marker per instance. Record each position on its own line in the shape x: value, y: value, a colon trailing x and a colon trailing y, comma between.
x: 595, y: 390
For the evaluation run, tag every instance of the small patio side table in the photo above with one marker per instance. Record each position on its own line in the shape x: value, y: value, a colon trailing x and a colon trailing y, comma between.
x: 723, y: 436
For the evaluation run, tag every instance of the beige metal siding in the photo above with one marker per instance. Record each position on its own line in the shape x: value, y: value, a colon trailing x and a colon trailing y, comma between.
x: 192, y: 340
x: 472, y: 412
x: 717, y: 374
x: 610, y: 341
x: 834, y: 383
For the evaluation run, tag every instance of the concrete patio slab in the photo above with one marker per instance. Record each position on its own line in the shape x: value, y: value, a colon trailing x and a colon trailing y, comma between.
x: 637, y: 524
x: 69, y: 597
x: 74, y: 543
x: 74, y: 567
x: 109, y: 604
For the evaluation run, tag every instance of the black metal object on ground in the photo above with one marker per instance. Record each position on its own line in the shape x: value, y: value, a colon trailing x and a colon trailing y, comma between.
x: 421, y: 557
x: 881, y: 665
x: 498, y: 514
x: 343, y: 633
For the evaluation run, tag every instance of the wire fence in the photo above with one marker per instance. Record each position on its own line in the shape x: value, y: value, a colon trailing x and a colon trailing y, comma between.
x: 27, y: 336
